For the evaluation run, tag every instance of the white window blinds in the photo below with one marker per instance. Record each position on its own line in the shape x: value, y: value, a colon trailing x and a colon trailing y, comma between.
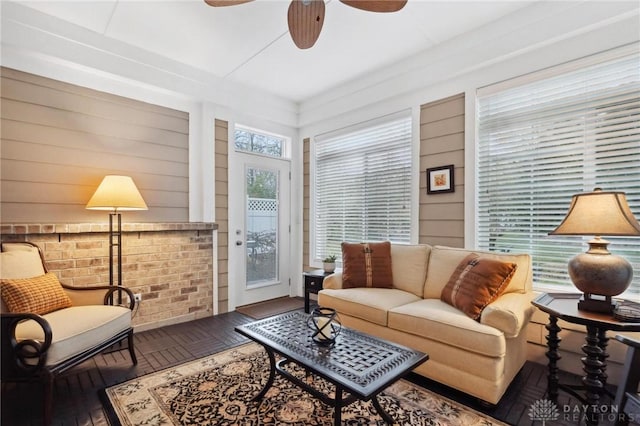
x: 542, y: 142
x: 362, y: 186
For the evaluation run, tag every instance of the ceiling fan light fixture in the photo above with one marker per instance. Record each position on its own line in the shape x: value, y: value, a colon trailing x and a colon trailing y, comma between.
x: 305, y: 19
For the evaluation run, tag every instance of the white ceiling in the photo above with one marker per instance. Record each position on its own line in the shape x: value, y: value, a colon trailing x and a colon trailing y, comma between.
x: 249, y: 44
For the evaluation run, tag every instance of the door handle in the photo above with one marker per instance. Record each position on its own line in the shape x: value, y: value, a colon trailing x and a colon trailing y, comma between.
x: 238, y: 242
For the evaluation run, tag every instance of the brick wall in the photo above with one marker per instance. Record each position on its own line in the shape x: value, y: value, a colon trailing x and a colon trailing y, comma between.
x: 170, y: 265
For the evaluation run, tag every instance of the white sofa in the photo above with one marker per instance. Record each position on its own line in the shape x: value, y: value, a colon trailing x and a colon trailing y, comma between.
x: 480, y: 358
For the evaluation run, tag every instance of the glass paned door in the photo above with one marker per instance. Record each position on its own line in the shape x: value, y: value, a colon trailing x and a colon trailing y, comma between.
x: 259, y: 218
x: 262, y: 219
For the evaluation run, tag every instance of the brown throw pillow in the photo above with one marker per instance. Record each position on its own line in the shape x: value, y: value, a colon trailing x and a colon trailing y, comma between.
x: 366, y: 265
x: 38, y: 295
x: 476, y: 282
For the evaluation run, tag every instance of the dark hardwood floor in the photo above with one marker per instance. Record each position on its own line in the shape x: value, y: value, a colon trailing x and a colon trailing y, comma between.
x: 76, y: 392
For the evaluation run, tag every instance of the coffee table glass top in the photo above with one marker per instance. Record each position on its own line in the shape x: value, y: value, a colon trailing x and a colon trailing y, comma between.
x: 361, y: 363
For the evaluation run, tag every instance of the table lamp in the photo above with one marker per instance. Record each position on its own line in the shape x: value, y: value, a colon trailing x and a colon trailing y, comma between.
x: 116, y: 194
x: 598, y: 273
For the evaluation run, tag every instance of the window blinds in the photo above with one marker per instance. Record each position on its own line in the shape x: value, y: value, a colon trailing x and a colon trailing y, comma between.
x: 542, y: 142
x: 363, y: 184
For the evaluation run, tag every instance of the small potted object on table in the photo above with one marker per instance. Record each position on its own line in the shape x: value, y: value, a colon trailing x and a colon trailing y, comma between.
x: 329, y: 264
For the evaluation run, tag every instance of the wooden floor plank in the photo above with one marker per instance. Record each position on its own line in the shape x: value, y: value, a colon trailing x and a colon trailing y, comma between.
x: 76, y: 392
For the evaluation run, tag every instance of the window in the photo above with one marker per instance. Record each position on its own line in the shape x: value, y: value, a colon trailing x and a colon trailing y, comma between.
x: 258, y: 142
x: 363, y: 184
x: 542, y: 142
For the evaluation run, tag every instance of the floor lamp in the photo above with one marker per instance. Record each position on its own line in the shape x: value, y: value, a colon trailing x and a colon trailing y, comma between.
x: 116, y: 194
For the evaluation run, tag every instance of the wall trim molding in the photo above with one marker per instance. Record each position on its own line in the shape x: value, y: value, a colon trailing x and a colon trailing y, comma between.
x: 80, y: 228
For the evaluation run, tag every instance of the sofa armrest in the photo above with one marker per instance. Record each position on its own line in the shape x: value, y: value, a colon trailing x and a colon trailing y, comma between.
x: 99, y: 295
x: 510, y: 313
x: 333, y: 281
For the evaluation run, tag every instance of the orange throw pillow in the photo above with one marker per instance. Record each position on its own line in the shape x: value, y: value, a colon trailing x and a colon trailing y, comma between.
x: 38, y: 295
x: 366, y: 265
x: 475, y: 283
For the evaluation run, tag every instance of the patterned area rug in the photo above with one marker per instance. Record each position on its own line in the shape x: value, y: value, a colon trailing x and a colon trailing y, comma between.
x: 217, y: 390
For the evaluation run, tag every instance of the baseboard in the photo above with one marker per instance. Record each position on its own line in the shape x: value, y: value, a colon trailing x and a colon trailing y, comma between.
x: 169, y: 321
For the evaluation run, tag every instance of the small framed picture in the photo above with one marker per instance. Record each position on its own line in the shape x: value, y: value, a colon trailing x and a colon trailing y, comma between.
x: 440, y: 180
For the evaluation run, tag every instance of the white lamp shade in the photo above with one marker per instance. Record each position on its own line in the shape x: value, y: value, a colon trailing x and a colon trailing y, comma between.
x: 599, y: 213
x: 117, y: 193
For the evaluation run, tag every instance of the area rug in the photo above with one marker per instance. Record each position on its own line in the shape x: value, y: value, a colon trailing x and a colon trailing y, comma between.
x: 217, y: 390
x: 271, y: 307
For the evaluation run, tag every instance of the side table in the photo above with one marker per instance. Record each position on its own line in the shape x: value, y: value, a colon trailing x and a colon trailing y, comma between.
x: 564, y: 306
x: 312, y: 284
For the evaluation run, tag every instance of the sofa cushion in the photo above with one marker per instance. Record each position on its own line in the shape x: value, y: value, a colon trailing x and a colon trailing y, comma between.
x: 77, y: 329
x: 366, y: 265
x: 36, y: 295
x: 444, y: 260
x: 475, y: 283
x: 409, y: 265
x: 437, y: 320
x: 370, y: 304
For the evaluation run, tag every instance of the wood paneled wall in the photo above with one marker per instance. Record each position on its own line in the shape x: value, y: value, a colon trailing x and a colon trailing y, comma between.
x: 59, y: 140
x: 441, y: 216
x: 222, y: 211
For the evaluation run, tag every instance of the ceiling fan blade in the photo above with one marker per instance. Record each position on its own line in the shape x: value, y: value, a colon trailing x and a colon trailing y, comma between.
x: 383, y: 6
x: 220, y: 3
x: 305, y: 21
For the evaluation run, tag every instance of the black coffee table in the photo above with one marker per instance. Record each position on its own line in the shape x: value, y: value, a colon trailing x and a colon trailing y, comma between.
x: 357, y: 363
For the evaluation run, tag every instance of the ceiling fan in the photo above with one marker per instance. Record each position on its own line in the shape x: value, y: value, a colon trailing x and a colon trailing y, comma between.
x: 305, y: 17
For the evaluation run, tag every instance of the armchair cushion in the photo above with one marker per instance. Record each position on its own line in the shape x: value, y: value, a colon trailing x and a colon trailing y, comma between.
x: 77, y: 329
x: 37, y: 295
x: 20, y: 263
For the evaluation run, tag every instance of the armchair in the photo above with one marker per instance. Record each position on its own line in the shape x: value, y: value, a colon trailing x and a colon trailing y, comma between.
x: 41, y: 345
